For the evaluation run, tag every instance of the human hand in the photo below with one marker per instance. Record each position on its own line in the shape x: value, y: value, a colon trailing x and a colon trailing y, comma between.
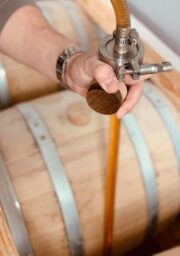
x: 85, y: 67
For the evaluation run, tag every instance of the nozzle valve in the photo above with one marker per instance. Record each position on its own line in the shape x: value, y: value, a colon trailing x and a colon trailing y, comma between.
x: 123, y: 51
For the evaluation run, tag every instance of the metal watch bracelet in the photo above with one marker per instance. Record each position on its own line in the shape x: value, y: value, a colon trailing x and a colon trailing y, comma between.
x: 62, y: 62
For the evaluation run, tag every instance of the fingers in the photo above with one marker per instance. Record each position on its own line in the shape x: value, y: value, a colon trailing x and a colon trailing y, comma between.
x: 132, y: 98
x: 134, y: 94
x: 87, y: 67
x: 102, y: 73
x: 129, y: 80
x: 106, y: 78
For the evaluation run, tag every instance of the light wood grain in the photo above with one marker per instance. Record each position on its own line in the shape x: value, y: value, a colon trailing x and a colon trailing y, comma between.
x: 104, y: 17
x: 7, y: 247
x: 81, y: 137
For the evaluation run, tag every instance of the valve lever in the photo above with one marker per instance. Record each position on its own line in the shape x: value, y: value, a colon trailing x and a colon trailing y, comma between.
x: 146, y: 69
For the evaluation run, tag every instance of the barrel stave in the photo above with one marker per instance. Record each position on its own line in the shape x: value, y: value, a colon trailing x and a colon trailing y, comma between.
x: 81, y: 138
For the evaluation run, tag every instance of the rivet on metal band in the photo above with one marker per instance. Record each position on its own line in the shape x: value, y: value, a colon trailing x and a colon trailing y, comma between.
x: 73, y: 11
x: 147, y: 170
x: 5, y: 100
x: 58, y: 177
x: 154, y: 96
x: 12, y: 210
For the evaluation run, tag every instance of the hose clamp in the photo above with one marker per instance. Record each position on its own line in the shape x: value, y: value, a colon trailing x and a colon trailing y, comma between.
x: 125, y: 55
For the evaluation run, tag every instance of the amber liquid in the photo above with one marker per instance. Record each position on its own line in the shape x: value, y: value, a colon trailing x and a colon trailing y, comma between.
x: 122, y: 13
x: 115, y: 125
x: 123, y: 21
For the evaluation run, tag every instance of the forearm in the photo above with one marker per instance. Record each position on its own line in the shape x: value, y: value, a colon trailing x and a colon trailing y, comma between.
x: 28, y: 38
x: 35, y: 43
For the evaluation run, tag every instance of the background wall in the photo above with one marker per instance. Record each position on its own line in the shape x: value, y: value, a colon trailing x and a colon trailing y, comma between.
x: 162, y: 17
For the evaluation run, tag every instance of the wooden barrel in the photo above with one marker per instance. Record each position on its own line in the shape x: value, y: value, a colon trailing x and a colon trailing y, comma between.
x: 171, y: 252
x: 7, y: 247
x: 19, y: 83
x: 54, y: 151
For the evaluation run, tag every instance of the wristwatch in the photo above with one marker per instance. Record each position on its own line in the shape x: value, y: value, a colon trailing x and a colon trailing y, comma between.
x: 62, y: 62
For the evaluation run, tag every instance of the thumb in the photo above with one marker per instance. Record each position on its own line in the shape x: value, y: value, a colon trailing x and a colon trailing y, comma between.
x: 102, y: 73
x: 86, y: 67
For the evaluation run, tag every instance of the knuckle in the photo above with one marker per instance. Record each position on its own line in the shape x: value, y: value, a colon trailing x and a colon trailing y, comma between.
x: 129, y: 80
x: 108, y: 69
x: 80, y: 91
x: 99, y: 69
x: 128, y: 108
x: 102, y: 69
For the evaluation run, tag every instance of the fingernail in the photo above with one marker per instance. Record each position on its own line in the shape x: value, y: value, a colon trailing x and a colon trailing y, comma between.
x: 111, y: 85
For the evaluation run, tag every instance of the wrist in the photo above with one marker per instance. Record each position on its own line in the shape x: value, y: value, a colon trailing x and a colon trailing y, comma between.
x: 63, y: 61
x: 50, y: 55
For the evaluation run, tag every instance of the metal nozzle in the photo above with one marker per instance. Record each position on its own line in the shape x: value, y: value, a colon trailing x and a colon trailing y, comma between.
x: 155, y: 68
x: 166, y: 66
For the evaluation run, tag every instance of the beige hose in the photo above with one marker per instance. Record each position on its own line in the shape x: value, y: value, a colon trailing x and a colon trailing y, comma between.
x: 122, y: 13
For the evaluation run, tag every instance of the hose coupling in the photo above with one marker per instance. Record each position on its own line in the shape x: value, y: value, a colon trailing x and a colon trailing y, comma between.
x: 124, y: 51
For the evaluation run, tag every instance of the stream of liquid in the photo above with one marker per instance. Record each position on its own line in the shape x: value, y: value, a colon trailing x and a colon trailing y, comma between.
x: 123, y: 21
x: 115, y: 127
